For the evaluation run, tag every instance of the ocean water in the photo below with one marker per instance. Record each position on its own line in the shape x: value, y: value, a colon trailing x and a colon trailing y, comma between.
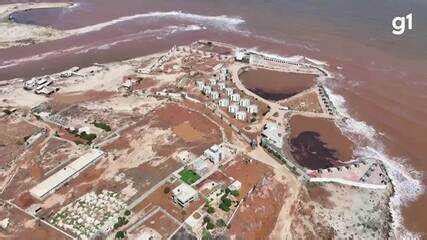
x: 381, y: 81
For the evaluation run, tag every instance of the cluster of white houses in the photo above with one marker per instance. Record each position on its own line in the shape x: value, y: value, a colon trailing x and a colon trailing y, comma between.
x: 40, y: 85
x: 184, y: 193
x: 227, y: 97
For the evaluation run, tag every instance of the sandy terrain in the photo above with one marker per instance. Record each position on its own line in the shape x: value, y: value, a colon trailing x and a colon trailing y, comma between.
x: 305, y: 102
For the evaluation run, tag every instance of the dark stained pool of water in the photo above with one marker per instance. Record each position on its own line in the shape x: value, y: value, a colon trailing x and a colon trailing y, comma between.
x: 311, y: 152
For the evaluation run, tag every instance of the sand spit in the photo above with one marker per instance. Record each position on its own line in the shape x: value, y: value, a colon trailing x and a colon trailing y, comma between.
x: 15, y: 34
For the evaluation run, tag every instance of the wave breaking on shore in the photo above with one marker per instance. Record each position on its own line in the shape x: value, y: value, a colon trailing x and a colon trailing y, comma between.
x: 406, y: 185
x: 224, y: 22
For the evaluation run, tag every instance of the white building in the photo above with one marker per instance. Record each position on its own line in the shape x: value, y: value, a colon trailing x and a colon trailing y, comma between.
x: 235, y: 186
x: 221, y: 85
x: 244, y: 102
x: 200, y: 85
x: 212, y: 82
x: 207, y: 90
x: 214, y: 95
x: 252, y: 108
x: 241, y: 115
x: 185, y: 156
x: 223, y: 102
x: 272, y: 134
x: 240, y: 55
x: 222, y: 74
x: 235, y: 97
x: 213, y: 154
x: 56, y: 180
x: 201, y: 166
x: 233, y: 108
x: 229, y: 91
x: 184, y: 194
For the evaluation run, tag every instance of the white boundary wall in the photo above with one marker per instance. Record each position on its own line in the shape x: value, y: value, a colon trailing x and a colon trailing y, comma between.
x: 350, y: 183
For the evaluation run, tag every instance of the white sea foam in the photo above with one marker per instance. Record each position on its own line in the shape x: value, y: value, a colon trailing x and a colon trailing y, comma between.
x: 157, y: 33
x: 223, y: 22
x: 160, y: 33
x: 406, y: 182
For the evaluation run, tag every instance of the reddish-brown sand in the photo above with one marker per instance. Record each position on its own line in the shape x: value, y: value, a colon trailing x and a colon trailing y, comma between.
x: 318, y: 142
x: 275, y: 85
x: 258, y: 212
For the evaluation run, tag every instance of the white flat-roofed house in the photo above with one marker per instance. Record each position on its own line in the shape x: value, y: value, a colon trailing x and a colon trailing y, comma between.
x: 223, y: 102
x: 233, y: 108
x: 221, y: 85
x: 30, y: 84
x: 244, y: 102
x: 200, y: 85
x: 50, y: 184
x: 252, y: 108
x: 45, y: 90
x: 201, y: 166
x: 235, y: 186
x: 241, y: 55
x: 241, y: 115
x: 217, y: 67
x: 184, y: 194
x: 214, y: 95
x: 235, y: 97
x: 229, y: 91
x: 207, y: 90
x: 185, y: 156
x: 272, y: 134
x: 212, y: 82
x: 223, y: 74
x: 213, y: 154
x: 41, y: 81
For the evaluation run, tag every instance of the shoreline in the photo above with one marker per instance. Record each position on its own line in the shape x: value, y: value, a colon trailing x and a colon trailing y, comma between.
x: 321, y: 78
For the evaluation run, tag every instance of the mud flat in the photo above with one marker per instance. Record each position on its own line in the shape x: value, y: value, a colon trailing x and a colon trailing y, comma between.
x: 318, y: 143
x: 274, y: 85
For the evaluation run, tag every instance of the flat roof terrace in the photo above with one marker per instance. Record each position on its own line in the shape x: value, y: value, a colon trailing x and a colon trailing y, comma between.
x: 53, y: 182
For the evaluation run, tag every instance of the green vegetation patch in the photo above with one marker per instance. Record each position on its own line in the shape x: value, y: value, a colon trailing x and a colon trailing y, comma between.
x: 225, y: 204
x: 103, y: 126
x: 189, y: 176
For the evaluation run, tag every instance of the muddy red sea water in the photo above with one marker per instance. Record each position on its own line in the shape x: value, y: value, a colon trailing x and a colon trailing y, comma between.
x: 381, y: 78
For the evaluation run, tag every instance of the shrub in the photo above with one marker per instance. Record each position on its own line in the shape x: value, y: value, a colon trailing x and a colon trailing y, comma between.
x: 220, y: 223
x: 211, y: 210
x: 127, y: 212
x: 88, y: 137
x: 103, y: 126
x: 206, y: 219
x: 235, y: 193
x: 121, y: 221
x: 120, y: 235
x: 225, y: 204
x: 166, y: 190
x: 210, y: 226
x: 206, y: 235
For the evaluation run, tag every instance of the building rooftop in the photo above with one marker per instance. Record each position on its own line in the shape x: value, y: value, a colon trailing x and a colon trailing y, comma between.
x: 184, y: 192
x: 50, y: 183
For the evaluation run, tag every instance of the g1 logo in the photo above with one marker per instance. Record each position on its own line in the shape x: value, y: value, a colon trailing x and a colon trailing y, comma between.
x: 399, y: 24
